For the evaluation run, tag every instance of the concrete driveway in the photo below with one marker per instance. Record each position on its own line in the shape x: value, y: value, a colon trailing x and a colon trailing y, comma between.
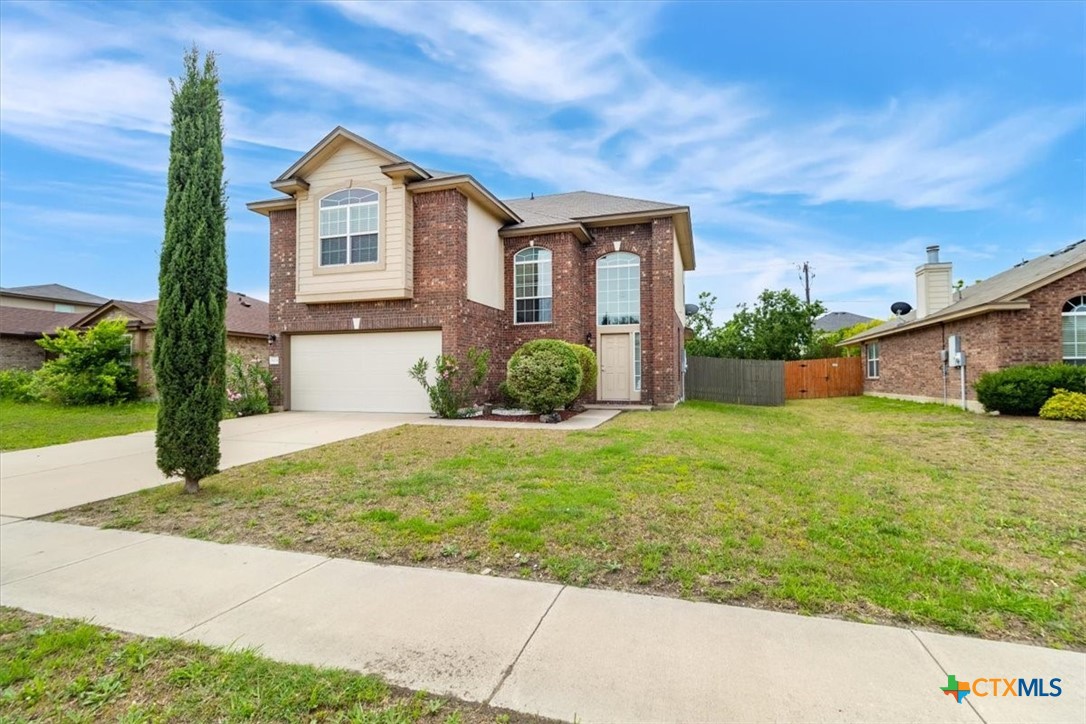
x: 48, y: 479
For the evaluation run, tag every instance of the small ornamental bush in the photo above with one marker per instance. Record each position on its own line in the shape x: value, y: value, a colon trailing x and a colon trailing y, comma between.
x: 587, y: 358
x: 19, y: 386
x: 455, y: 385
x: 506, y: 394
x: 91, y: 368
x: 1065, y: 405
x: 545, y: 375
x: 1024, y: 390
x: 248, y: 387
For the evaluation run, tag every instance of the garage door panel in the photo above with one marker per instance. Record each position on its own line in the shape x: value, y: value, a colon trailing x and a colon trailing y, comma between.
x: 361, y: 372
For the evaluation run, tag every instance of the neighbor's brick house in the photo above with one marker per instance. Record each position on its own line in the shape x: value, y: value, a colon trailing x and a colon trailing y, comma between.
x: 28, y: 313
x: 1033, y: 313
x: 376, y: 262
x: 246, y: 330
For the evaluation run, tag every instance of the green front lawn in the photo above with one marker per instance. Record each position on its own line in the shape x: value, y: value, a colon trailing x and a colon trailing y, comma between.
x: 36, y: 424
x: 858, y: 507
x: 62, y: 670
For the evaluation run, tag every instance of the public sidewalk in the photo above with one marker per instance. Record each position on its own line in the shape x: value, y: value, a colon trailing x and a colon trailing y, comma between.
x: 541, y: 648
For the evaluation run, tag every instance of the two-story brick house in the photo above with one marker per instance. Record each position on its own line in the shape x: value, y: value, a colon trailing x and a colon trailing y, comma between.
x: 376, y: 261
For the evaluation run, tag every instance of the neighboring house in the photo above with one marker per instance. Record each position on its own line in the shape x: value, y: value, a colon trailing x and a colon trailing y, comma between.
x: 836, y: 321
x: 50, y: 297
x: 1034, y: 312
x: 27, y: 313
x: 246, y: 329
x: 376, y: 262
x: 19, y: 330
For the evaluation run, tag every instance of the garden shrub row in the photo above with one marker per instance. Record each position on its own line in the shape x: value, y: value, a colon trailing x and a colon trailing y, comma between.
x: 544, y: 375
x: 1023, y: 390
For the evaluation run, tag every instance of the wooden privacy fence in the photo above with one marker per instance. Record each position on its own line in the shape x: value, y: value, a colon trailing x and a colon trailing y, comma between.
x: 807, y: 379
x: 741, y: 381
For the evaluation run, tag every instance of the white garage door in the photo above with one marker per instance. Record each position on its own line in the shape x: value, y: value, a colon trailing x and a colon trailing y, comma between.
x: 360, y: 372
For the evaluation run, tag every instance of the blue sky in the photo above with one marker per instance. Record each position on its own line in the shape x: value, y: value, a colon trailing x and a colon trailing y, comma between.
x: 849, y: 135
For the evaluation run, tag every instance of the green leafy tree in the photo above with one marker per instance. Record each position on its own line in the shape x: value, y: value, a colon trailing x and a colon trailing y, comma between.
x: 779, y: 326
x: 701, y: 321
x: 190, y: 336
x: 91, y: 368
x: 706, y: 342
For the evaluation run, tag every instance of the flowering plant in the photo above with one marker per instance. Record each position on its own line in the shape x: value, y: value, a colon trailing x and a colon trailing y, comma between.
x: 247, y: 387
x: 454, y: 386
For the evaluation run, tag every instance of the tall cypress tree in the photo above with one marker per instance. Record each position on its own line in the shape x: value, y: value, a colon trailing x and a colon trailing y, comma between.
x: 190, y: 335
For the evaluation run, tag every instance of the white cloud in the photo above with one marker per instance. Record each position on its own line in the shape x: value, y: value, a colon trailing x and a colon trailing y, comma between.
x: 485, y: 87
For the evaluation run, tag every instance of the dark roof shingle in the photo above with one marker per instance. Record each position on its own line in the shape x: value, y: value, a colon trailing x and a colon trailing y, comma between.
x: 20, y: 322
x: 578, y: 206
x: 57, y: 292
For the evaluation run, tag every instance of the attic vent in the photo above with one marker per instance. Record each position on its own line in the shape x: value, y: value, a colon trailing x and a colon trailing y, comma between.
x: 1023, y: 263
x: 1066, y: 249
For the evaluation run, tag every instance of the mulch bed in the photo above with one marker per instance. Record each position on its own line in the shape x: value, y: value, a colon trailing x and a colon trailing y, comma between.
x: 565, y: 414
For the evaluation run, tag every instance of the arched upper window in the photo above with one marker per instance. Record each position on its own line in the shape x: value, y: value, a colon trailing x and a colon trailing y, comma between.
x: 532, y: 285
x: 348, y: 227
x: 618, y: 289
x: 1074, y: 330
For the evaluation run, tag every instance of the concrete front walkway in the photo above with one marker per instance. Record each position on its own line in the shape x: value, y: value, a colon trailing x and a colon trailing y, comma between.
x: 534, y: 647
x: 587, y: 420
x: 48, y: 479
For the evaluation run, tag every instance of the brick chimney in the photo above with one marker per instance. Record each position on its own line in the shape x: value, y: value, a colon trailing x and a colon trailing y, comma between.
x: 932, y: 284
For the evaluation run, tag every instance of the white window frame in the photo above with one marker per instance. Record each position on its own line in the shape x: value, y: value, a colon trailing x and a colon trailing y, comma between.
x: 636, y: 361
x: 873, y: 363
x: 543, y: 260
x: 351, y: 208
x: 1073, y: 320
x: 630, y: 260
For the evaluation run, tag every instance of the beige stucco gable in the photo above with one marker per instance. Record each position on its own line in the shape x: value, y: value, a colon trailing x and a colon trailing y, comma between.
x: 353, y: 165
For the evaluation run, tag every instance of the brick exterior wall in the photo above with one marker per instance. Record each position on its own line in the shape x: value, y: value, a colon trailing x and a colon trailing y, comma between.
x: 20, y: 353
x: 440, y: 294
x: 910, y: 365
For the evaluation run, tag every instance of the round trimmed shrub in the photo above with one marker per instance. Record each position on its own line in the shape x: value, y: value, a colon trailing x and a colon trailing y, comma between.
x: 545, y: 375
x: 506, y: 394
x: 1023, y: 390
x: 587, y: 358
x: 1065, y: 405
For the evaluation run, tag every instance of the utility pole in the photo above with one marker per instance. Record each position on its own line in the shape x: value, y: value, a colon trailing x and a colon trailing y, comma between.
x: 806, y: 276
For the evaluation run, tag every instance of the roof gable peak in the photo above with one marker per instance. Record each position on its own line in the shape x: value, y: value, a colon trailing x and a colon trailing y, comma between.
x: 332, y: 141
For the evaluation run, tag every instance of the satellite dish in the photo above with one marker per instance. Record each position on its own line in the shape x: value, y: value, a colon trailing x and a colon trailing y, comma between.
x: 900, y: 309
x: 691, y: 309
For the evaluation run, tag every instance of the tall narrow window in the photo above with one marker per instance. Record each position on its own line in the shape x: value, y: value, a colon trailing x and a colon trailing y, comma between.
x: 532, y: 286
x: 618, y: 289
x: 873, y: 360
x: 637, y: 360
x: 348, y: 227
x: 1074, y: 331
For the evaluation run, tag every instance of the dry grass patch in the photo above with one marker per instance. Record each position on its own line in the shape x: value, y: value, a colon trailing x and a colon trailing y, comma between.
x: 862, y: 508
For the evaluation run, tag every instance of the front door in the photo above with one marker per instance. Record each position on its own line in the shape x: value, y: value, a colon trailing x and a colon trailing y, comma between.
x: 615, y: 360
